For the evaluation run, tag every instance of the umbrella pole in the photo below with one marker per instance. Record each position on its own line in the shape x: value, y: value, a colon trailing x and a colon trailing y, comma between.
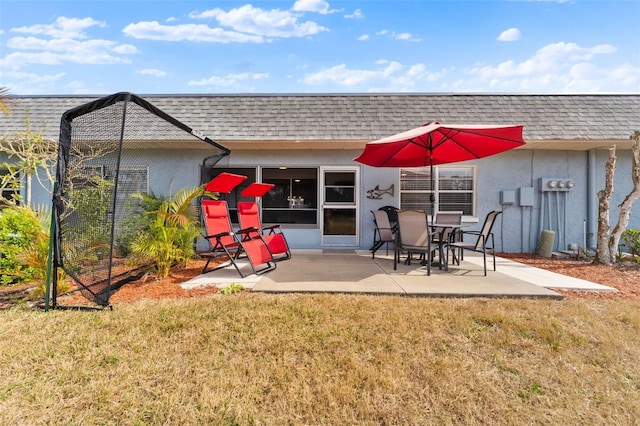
x: 432, y: 196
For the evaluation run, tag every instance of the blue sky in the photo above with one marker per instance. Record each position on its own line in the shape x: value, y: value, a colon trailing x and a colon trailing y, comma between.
x: 319, y: 46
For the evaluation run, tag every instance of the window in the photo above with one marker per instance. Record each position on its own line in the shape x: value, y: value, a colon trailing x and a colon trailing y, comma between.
x: 131, y: 180
x: 233, y: 197
x: 294, y: 199
x: 453, y: 189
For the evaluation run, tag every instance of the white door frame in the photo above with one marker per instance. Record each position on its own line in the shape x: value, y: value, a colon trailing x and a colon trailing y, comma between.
x: 331, y: 240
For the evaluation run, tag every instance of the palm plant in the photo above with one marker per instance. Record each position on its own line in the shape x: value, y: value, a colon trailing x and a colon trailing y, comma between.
x: 168, y: 239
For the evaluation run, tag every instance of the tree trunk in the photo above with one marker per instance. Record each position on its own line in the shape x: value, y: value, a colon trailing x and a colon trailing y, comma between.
x: 627, y: 203
x: 608, y: 240
x: 603, y: 253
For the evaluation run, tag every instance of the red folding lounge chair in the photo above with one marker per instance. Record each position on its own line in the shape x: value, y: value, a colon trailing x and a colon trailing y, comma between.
x: 223, y: 241
x: 249, y: 217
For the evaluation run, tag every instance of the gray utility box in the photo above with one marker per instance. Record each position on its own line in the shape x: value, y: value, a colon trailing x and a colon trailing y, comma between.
x: 507, y: 196
x: 526, y: 196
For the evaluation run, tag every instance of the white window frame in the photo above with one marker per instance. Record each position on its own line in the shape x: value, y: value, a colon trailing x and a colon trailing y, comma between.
x: 338, y: 240
x: 436, y: 189
x: 124, y: 194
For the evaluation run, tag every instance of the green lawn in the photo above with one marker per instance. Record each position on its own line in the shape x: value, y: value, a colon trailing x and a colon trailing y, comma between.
x: 323, y: 359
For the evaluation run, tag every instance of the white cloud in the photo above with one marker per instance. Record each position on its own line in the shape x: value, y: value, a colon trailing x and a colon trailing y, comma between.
x: 627, y: 75
x: 80, y: 88
x: 187, y: 32
x: 229, y: 80
x: 364, y: 37
x: 125, y: 49
x: 558, y: 67
x: 405, y: 36
x: 390, y: 76
x: 35, y: 78
x: 317, y: 6
x: 512, y: 34
x: 263, y: 23
x: 550, y: 58
x: 152, y: 72
x: 29, y: 83
x: 341, y: 76
x: 357, y: 14
x: 398, y: 36
x: 62, y: 28
x: 64, y: 41
x: 59, y: 51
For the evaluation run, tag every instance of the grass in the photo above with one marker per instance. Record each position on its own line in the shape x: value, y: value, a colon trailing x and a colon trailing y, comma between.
x: 323, y: 359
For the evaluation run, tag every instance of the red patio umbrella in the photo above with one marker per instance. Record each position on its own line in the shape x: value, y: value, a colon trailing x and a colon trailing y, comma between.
x: 436, y: 143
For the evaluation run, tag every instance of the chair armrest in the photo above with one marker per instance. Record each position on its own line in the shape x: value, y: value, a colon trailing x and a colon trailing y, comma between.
x: 218, y: 236
x: 246, y: 232
x: 271, y: 228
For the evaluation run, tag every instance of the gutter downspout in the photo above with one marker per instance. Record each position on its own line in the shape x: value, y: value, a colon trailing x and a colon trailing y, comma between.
x: 592, y: 205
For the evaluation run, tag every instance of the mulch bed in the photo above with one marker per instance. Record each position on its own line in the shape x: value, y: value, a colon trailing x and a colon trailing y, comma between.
x: 625, y: 278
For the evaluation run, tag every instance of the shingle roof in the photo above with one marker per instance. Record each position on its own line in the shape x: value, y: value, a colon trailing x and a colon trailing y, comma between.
x: 363, y: 117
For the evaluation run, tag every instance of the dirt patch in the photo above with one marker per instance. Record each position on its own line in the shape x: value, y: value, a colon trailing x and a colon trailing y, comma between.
x: 624, y: 277
x: 152, y: 287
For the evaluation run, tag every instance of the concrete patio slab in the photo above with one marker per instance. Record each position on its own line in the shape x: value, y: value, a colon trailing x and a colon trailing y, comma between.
x: 325, y: 272
x: 223, y: 277
x: 541, y: 277
x: 315, y: 271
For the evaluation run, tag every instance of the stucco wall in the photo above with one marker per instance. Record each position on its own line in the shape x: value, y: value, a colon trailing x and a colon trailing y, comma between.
x: 518, y: 229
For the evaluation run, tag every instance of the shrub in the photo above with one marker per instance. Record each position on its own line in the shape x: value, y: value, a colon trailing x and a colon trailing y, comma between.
x: 138, y: 220
x: 19, y: 227
x: 631, y: 238
x: 172, y: 229
x: 25, y: 248
x: 90, y: 206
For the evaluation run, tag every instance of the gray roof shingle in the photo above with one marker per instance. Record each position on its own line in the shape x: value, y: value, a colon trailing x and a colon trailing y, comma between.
x: 363, y: 117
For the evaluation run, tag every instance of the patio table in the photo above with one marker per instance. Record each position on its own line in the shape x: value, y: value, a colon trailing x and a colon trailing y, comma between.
x: 443, y: 228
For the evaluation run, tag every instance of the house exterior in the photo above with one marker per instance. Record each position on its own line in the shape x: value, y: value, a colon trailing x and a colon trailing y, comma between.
x: 305, y: 144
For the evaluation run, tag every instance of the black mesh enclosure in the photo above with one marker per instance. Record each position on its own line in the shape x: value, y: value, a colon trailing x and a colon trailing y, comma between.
x: 111, y: 149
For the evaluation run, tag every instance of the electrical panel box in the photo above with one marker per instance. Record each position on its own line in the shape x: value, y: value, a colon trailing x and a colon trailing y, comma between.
x: 507, y: 196
x: 526, y: 196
